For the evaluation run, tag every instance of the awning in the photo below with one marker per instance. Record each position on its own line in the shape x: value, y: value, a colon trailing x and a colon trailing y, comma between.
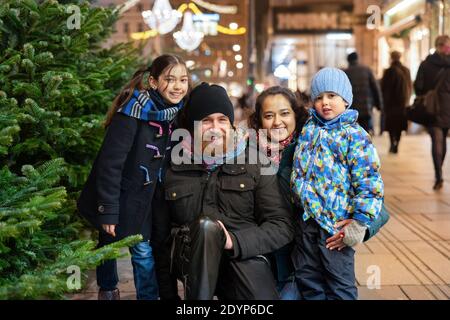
x: 401, y: 25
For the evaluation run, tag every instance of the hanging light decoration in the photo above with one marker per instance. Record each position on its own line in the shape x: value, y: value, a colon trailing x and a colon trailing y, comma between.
x: 162, y: 17
x: 188, y: 38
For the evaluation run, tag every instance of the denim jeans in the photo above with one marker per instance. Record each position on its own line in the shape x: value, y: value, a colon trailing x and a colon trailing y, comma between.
x: 143, y: 271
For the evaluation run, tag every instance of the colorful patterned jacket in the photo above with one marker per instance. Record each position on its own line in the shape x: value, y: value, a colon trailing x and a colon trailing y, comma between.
x: 335, y: 173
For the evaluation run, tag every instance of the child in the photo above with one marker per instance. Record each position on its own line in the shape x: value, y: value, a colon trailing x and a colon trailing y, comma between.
x: 117, y: 197
x: 336, y: 179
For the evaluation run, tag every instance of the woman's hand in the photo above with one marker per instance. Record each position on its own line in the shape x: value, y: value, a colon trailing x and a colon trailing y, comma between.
x: 110, y: 229
x: 229, y: 242
x: 337, y: 241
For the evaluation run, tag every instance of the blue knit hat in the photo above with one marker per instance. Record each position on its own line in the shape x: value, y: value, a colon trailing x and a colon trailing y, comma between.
x: 332, y: 80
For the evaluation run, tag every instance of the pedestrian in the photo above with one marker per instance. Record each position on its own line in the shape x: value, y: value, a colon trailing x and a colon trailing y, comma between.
x: 396, y: 86
x: 222, y: 213
x: 117, y: 197
x: 279, y: 118
x: 366, y: 91
x: 336, y: 179
x: 434, y: 72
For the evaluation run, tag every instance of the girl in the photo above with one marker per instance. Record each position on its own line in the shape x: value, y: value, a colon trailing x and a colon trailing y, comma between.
x: 117, y: 197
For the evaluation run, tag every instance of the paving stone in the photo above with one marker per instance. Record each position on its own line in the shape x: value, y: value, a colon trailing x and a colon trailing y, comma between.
x: 437, y: 291
x: 392, y: 271
x: 385, y: 293
x: 418, y: 293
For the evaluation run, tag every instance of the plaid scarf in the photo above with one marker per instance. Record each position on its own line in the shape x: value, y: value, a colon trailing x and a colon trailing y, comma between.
x: 274, y: 149
x: 150, y: 106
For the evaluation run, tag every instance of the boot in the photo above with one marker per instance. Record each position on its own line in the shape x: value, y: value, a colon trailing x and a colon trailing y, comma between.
x: 438, y: 184
x: 207, y: 241
x: 109, y: 295
x: 395, y: 151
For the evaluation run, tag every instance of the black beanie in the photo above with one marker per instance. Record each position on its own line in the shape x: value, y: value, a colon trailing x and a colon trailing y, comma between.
x: 208, y: 99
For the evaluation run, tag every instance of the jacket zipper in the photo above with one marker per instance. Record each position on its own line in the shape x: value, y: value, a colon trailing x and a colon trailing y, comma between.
x: 205, y: 185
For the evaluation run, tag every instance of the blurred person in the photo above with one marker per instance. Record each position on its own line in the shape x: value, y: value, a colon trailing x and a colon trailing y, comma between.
x: 366, y: 91
x: 396, y: 86
x: 435, y: 69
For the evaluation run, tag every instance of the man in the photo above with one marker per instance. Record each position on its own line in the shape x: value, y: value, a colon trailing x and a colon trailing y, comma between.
x: 223, y: 216
x: 366, y: 91
x: 396, y: 86
x: 433, y: 72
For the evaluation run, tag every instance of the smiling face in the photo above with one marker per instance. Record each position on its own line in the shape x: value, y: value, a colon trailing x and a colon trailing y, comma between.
x: 214, y: 129
x: 172, y: 84
x: 277, y: 117
x: 329, y: 105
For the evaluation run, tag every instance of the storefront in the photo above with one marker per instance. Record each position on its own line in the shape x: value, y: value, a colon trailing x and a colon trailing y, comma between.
x: 410, y: 26
x: 308, y: 38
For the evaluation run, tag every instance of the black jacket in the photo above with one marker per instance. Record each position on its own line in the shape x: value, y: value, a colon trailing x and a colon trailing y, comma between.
x: 366, y: 91
x: 427, y: 79
x: 124, y: 176
x: 250, y: 205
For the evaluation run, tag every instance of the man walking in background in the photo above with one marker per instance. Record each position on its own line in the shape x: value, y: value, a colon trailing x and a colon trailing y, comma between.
x: 366, y: 91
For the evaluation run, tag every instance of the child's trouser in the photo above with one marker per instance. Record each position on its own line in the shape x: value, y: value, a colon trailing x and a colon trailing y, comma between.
x: 143, y: 270
x: 322, y: 274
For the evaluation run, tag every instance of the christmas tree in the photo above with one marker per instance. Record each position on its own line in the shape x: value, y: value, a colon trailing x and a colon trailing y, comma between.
x: 38, y: 246
x: 56, y: 84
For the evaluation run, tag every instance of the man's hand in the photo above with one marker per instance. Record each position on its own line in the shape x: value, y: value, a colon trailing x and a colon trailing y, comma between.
x: 110, y: 229
x: 229, y: 242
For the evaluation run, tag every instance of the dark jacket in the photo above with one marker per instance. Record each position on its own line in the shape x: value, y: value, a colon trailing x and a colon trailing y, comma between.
x: 124, y: 176
x: 366, y: 91
x: 249, y: 204
x: 396, y: 86
x: 427, y: 79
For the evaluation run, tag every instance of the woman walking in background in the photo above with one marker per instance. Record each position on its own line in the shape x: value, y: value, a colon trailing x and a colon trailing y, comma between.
x: 396, y: 86
x: 434, y: 72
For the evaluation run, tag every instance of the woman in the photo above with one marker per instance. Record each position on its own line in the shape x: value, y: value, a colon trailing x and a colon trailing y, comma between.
x: 396, y: 86
x: 434, y: 74
x: 279, y: 117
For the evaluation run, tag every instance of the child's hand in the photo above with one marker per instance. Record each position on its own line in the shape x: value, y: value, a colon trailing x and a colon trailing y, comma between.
x: 337, y: 241
x: 110, y: 229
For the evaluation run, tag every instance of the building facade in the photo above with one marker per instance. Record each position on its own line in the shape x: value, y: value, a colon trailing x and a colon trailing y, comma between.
x: 222, y: 56
x: 304, y: 35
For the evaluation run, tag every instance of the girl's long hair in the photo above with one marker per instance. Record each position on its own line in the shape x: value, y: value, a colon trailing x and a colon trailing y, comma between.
x: 158, y: 67
x: 300, y: 111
